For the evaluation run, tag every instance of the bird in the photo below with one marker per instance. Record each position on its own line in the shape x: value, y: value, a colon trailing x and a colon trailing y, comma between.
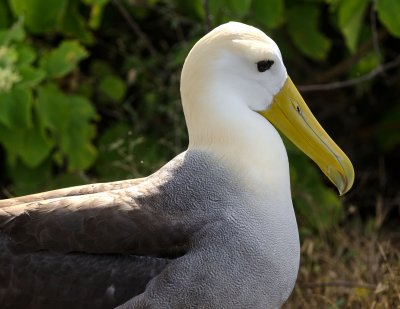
x: 213, y: 228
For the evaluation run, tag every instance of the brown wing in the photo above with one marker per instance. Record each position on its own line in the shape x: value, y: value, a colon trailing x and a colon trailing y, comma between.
x: 77, y: 190
x: 46, y: 280
x: 129, y: 220
x: 132, y: 217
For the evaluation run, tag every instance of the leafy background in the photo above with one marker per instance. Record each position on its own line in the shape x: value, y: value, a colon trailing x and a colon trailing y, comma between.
x: 89, y: 92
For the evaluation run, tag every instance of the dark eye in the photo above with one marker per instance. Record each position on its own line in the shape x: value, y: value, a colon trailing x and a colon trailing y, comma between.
x: 264, y: 65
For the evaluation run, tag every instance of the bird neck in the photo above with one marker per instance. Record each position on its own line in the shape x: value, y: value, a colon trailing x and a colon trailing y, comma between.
x: 242, y: 139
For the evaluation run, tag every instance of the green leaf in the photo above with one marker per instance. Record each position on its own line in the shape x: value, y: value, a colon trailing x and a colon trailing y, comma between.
x: 96, y: 15
x: 73, y: 24
x: 15, y: 34
x: 29, y: 180
x: 113, y: 87
x: 63, y: 59
x: 30, y: 76
x: 389, y: 15
x: 29, y: 144
x: 15, y: 108
x: 366, y: 64
x: 5, y: 19
x: 36, y: 147
x: 350, y: 16
x: 268, y: 13
x: 26, y: 55
x: 52, y: 108
x: 76, y: 142
x: 68, y: 117
x: 40, y: 16
x: 304, y: 31
x: 239, y: 7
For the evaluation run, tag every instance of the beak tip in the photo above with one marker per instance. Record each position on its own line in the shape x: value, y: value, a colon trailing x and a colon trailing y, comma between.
x: 347, y: 184
x: 342, y: 193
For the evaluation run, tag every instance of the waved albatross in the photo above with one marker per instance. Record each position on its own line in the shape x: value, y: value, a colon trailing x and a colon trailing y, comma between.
x: 213, y: 228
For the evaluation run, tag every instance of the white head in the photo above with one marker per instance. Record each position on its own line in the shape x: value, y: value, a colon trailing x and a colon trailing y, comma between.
x: 242, y: 59
x: 233, y: 84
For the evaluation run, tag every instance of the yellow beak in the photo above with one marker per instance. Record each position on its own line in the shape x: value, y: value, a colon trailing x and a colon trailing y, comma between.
x: 291, y: 115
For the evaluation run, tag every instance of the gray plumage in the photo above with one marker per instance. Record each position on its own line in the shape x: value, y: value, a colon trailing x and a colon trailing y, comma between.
x: 224, y: 245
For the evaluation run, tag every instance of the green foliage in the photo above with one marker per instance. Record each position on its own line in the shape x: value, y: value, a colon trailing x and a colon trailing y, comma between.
x: 351, y: 15
x: 113, y: 87
x: 63, y: 59
x: 15, y: 108
x: 84, y: 98
x: 304, y: 31
x: 40, y: 16
x: 389, y: 12
x: 4, y: 16
x: 268, y: 14
x: 37, y: 118
x: 239, y: 7
x: 365, y: 65
x: 68, y: 119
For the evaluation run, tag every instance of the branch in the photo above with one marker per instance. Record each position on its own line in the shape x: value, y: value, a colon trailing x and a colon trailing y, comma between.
x: 348, y: 62
x: 354, y: 81
x: 135, y: 27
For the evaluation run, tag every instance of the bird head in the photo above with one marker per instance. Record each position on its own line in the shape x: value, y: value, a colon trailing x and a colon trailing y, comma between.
x: 251, y: 76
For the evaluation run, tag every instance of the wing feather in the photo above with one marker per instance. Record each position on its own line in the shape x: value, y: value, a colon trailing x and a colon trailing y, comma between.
x: 117, y: 221
x: 72, y: 191
x: 50, y: 280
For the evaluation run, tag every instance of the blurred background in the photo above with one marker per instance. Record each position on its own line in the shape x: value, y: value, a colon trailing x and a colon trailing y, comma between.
x: 89, y: 92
